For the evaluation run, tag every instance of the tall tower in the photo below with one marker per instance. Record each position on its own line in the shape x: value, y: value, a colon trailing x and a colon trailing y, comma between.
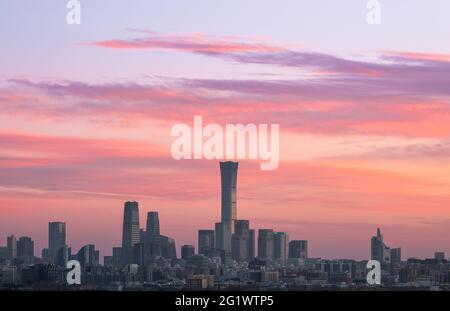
x: 225, y: 228
x: 56, y: 237
x: 228, y: 174
x: 11, y: 243
x: 130, y: 233
x: 152, y: 225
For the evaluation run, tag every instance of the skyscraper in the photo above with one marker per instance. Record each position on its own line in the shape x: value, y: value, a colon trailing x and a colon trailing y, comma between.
x: 396, y: 255
x: 206, y: 243
x: 240, y: 240
x: 376, y: 246
x: 280, y: 246
x: 56, y: 238
x: 224, y: 229
x: 380, y: 251
x: 11, y: 245
x: 187, y: 251
x: 265, y: 244
x: 152, y: 225
x: 298, y: 249
x: 130, y: 233
x: 63, y: 256
x: 223, y: 237
x: 251, y: 245
x: 25, y: 247
x: 228, y: 174
x: 88, y: 255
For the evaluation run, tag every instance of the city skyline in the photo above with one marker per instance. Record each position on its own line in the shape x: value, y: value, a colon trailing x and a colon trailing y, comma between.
x: 233, y: 237
x: 86, y: 114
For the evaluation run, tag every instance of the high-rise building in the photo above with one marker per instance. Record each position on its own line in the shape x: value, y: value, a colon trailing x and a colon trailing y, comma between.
x: 265, y: 244
x: 130, y: 233
x: 44, y: 253
x: 251, y: 245
x: 223, y: 237
x: 88, y: 255
x: 168, y: 247
x: 240, y: 240
x: 56, y: 238
x: 187, y: 251
x: 228, y: 174
x: 145, y: 252
x: 396, y: 255
x: 11, y: 245
x: 377, y: 246
x: 152, y: 225
x: 63, y: 256
x: 298, y: 249
x: 206, y: 243
x: 117, y: 256
x: 280, y: 246
x: 380, y: 251
x: 25, y: 247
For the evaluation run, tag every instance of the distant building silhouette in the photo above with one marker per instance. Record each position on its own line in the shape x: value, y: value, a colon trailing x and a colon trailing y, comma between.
x: 63, y: 256
x: 130, y: 233
x: 187, y: 251
x: 152, y: 225
x: 88, y: 256
x: 223, y: 237
x: 383, y: 253
x: 224, y: 229
x: 56, y: 238
x: 280, y: 246
x: 11, y: 245
x: 265, y: 244
x: 206, y: 243
x: 298, y: 249
x: 25, y: 247
x: 243, y: 241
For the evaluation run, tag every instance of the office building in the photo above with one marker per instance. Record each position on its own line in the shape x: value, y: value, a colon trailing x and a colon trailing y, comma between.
x: 187, y: 251
x: 223, y: 237
x: 280, y: 246
x: 265, y: 244
x: 206, y: 243
x: 130, y: 233
x: 88, y: 256
x: 56, y: 237
x: 228, y: 173
x: 298, y: 249
x: 11, y: 245
x: 25, y: 247
x: 396, y: 255
x: 152, y: 228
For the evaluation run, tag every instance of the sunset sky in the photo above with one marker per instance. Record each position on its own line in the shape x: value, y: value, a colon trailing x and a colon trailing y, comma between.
x: 364, y: 113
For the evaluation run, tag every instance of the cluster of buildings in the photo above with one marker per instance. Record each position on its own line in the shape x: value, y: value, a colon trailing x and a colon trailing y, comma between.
x: 230, y: 256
